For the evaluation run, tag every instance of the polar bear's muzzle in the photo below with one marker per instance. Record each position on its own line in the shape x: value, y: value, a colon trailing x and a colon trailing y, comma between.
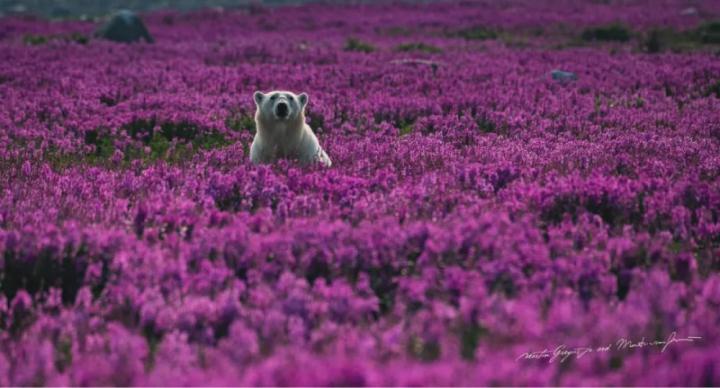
x: 282, y: 110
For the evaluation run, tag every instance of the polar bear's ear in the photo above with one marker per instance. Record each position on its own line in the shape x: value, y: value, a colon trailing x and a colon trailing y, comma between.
x: 303, y: 98
x: 258, y: 96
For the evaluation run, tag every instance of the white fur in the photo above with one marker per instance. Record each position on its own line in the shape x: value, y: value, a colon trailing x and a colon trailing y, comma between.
x: 290, y: 137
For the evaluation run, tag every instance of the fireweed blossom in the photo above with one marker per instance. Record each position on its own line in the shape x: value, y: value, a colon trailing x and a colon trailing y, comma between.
x: 477, y: 210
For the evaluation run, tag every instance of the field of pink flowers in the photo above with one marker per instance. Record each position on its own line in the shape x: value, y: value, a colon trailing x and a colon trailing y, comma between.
x: 479, y: 210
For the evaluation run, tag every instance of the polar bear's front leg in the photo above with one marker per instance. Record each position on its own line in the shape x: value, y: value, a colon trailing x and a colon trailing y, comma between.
x: 259, y: 153
x: 310, y: 151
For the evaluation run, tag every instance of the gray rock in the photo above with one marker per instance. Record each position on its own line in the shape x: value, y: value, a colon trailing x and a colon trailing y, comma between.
x: 690, y: 11
x: 18, y: 8
x: 125, y: 27
x: 560, y: 75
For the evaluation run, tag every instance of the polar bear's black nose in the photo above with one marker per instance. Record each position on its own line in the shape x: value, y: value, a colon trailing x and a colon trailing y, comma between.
x: 281, y: 110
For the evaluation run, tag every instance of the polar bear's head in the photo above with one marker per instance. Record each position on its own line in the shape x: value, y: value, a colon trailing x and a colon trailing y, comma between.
x: 280, y: 105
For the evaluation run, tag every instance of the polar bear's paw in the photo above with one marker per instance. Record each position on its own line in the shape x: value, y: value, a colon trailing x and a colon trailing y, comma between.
x: 323, y: 158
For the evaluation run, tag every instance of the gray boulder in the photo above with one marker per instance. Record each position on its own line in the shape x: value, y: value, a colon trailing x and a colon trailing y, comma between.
x: 560, y: 75
x: 125, y: 27
x: 690, y: 11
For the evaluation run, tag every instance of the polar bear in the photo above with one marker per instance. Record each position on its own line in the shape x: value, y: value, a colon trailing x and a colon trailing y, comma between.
x: 282, y: 132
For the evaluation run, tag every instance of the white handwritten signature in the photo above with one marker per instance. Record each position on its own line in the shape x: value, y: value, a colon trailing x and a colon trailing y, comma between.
x: 563, y: 352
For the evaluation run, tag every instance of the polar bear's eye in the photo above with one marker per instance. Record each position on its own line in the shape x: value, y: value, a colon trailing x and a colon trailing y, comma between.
x: 290, y: 98
x: 274, y: 96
